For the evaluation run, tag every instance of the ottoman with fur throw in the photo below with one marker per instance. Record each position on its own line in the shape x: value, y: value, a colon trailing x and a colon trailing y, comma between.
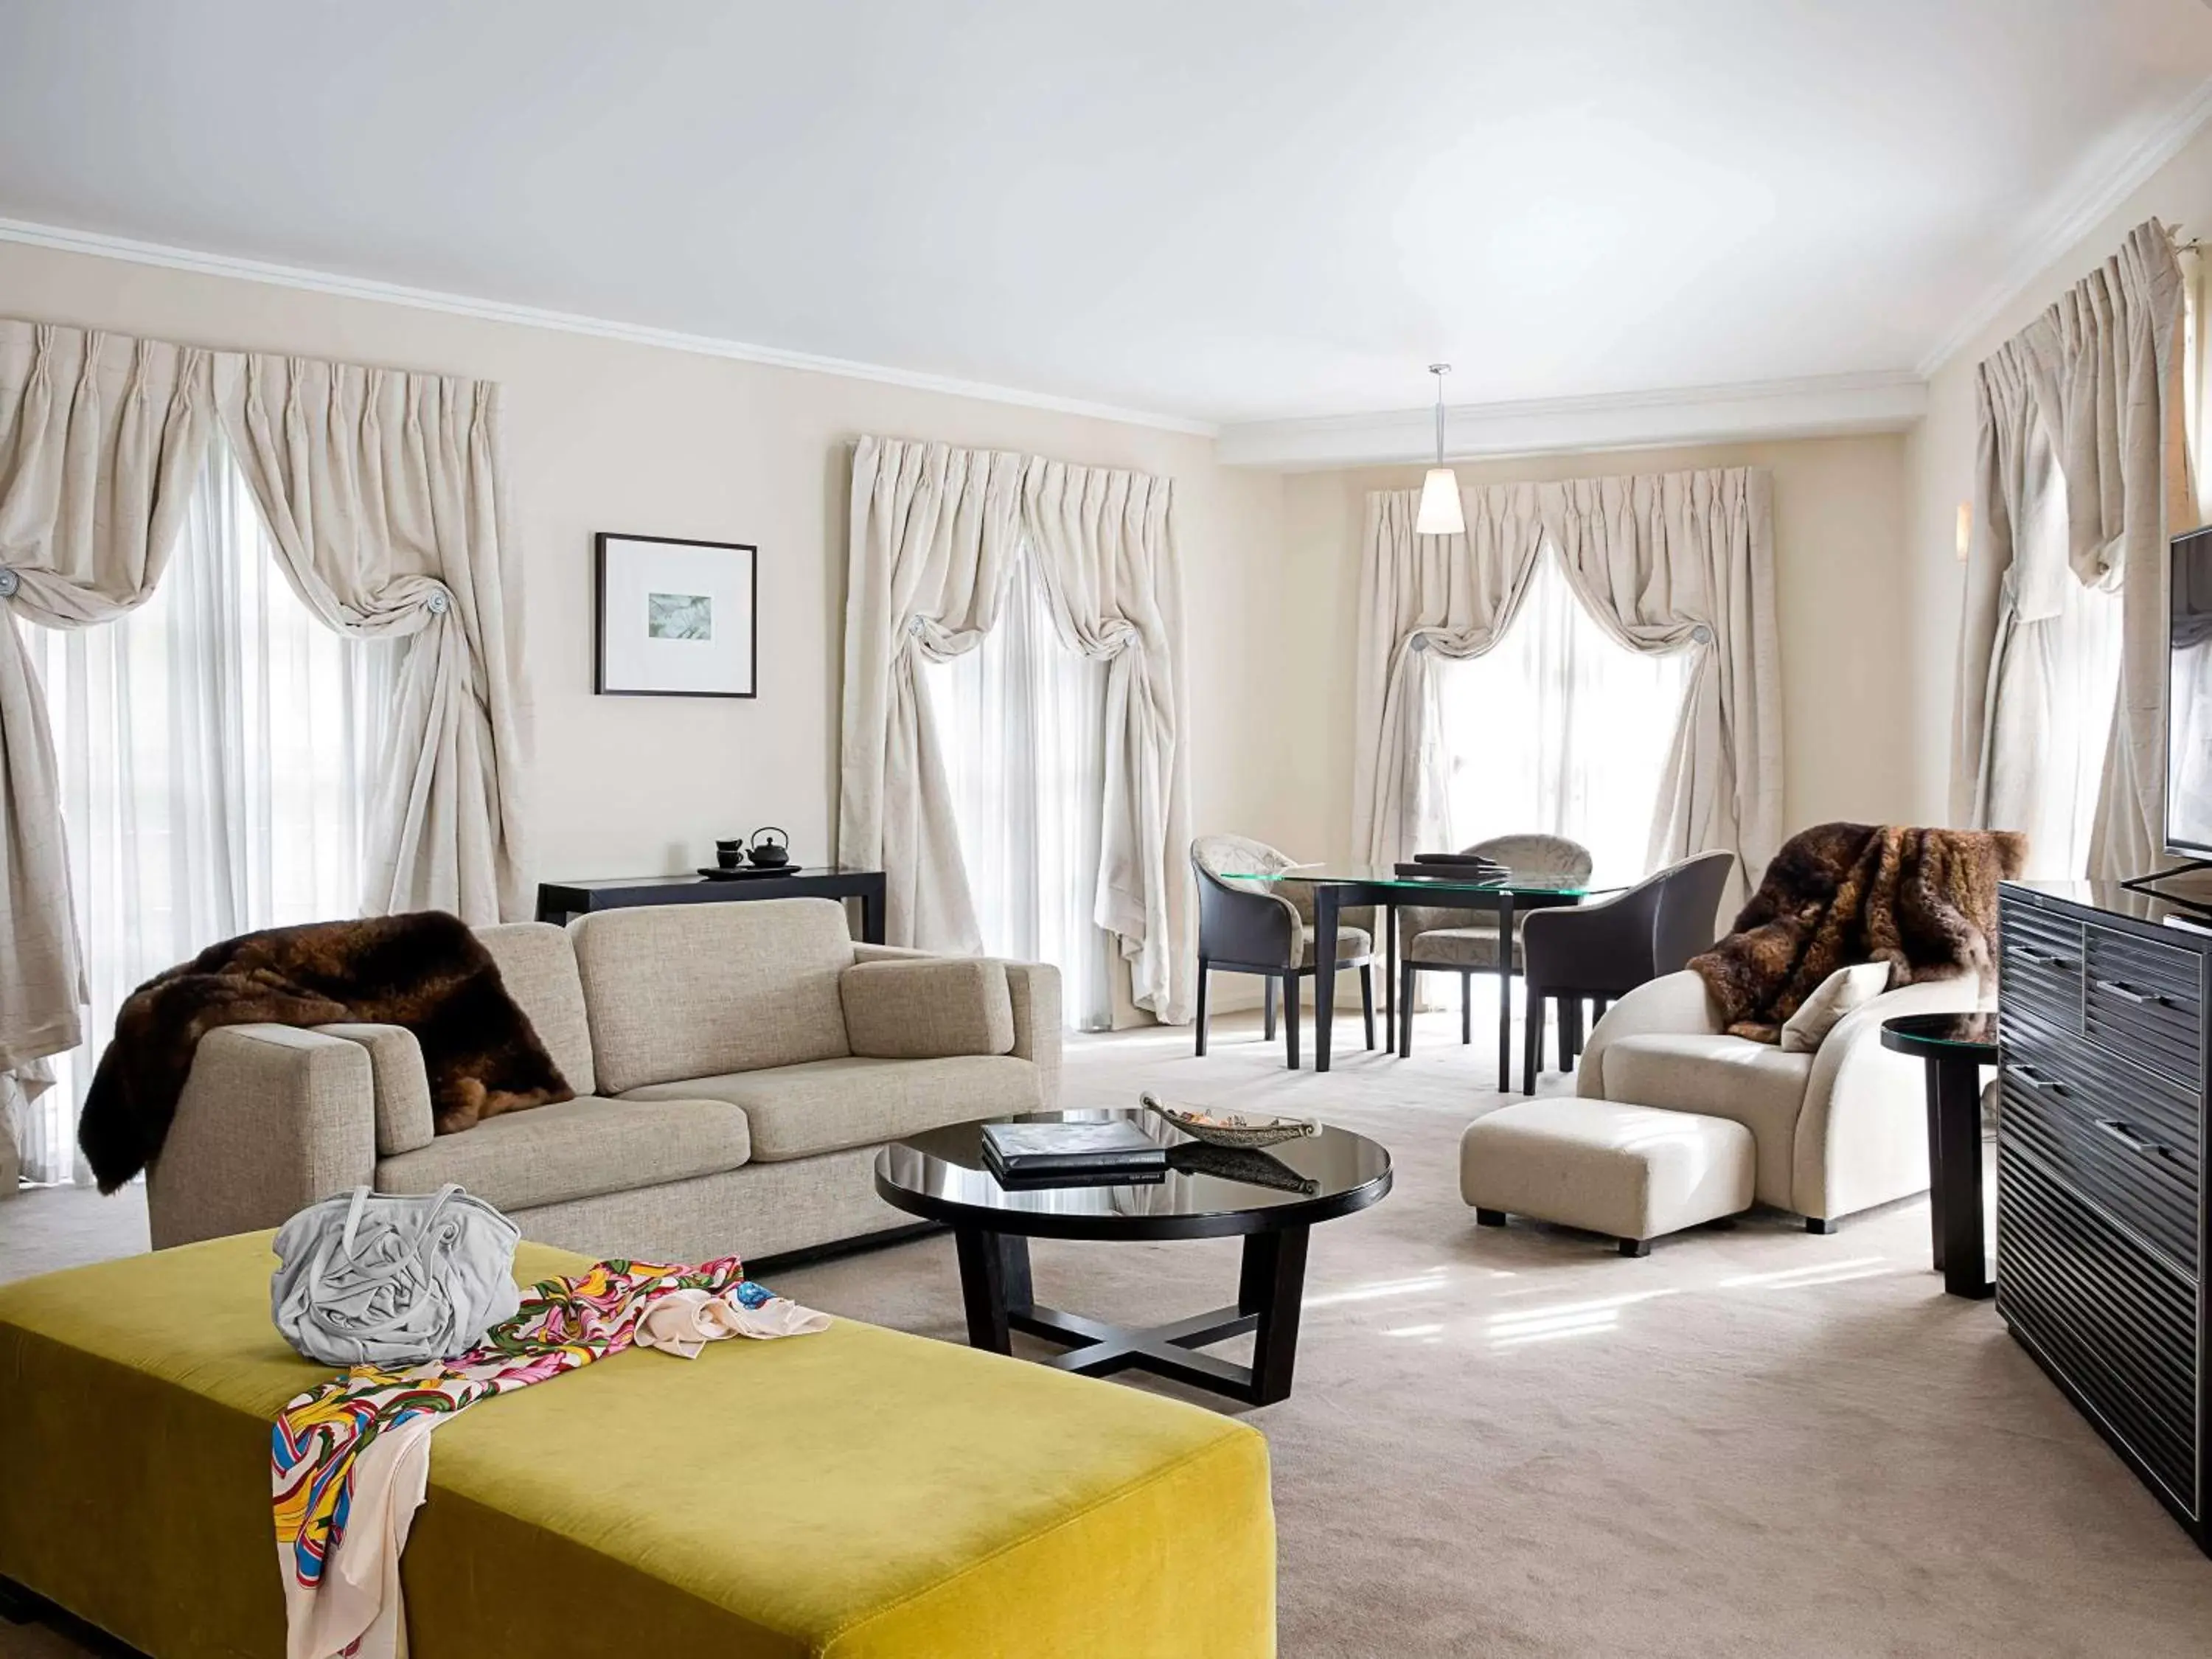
x: 1777, y: 1027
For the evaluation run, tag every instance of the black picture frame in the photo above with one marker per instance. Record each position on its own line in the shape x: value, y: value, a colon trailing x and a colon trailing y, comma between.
x: 599, y: 686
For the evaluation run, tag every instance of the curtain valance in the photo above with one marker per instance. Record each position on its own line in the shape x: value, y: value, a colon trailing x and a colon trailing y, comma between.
x: 933, y: 535
x: 1668, y: 562
x: 383, y: 493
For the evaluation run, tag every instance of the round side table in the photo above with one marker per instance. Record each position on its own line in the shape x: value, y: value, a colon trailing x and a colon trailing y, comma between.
x: 1955, y: 1047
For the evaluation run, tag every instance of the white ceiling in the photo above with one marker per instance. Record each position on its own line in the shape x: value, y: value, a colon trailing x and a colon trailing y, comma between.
x: 1221, y: 210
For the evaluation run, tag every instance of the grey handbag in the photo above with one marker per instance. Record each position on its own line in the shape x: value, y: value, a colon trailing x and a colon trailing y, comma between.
x: 394, y: 1279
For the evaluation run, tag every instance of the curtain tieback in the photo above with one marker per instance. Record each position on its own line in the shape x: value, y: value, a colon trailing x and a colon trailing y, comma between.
x: 10, y: 581
x: 438, y: 602
x: 1701, y: 634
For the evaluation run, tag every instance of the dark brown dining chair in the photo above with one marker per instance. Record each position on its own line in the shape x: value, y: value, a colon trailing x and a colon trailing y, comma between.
x: 1596, y: 952
x: 1266, y: 927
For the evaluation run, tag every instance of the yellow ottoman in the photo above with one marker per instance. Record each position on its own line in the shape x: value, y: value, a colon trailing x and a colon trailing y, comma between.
x: 856, y: 1494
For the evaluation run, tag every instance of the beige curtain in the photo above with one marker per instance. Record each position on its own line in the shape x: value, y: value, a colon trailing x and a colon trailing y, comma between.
x: 1423, y: 598
x: 383, y: 493
x: 932, y: 540
x: 930, y: 546
x: 2090, y: 391
x: 1684, y: 561
x: 1665, y: 563
x: 101, y: 438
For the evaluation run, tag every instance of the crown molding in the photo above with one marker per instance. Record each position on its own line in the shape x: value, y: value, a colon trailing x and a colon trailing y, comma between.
x: 2067, y: 220
x: 462, y: 305
x: 1827, y: 406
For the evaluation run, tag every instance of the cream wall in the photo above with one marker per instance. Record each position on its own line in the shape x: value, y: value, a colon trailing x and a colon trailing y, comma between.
x: 1940, y: 460
x: 1838, y: 544
x: 605, y: 435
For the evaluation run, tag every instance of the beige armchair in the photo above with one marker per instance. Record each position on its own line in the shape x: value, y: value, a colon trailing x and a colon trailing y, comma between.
x: 1837, y: 1131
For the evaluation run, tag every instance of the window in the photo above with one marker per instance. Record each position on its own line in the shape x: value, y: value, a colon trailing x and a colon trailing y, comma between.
x: 1023, y: 721
x: 216, y: 749
x: 1561, y: 729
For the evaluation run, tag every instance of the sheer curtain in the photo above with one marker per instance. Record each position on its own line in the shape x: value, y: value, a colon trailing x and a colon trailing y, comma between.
x: 1560, y: 728
x: 1021, y: 720
x: 216, y: 751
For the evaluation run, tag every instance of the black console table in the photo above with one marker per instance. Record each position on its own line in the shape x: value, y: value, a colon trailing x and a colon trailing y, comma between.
x: 2100, y: 1209
x: 557, y: 901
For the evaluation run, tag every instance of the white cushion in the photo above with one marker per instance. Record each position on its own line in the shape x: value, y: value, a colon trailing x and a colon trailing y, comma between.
x: 927, y: 1007
x: 1836, y: 995
x: 1627, y: 1171
x: 1753, y: 1084
x: 538, y: 965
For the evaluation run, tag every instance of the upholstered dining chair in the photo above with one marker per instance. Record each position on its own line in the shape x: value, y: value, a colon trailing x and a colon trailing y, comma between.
x: 1266, y: 927
x: 1602, y: 951
x: 1432, y: 940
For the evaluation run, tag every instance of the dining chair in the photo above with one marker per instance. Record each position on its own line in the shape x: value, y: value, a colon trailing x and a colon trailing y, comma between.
x: 1433, y: 940
x: 1266, y: 927
x: 1597, y: 952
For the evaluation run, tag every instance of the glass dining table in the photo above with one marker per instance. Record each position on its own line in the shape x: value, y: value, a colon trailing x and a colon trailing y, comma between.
x: 1341, y: 887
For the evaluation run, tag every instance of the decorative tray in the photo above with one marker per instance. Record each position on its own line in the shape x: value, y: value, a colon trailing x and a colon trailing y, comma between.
x: 1230, y: 1128
x: 745, y: 873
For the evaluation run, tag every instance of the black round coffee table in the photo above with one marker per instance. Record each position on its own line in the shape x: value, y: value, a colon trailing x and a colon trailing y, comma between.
x: 1955, y: 1047
x: 1272, y: 1199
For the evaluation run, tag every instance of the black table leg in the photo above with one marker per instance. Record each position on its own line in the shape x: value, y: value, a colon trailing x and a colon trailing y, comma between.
x: 1324, y: 971
x: 1273, y: 1285
x: 1957, y: 1196
x: 1504, y: 991
x: 994, y: 1282
x: 1389, y: 967
x: 1936, y: 1204
x: 871, y: 914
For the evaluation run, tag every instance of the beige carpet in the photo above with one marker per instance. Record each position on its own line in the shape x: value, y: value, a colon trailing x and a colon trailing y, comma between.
x: 1753, y: 1442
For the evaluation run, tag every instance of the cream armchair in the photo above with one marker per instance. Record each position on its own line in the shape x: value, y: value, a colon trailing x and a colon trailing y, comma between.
x: 1837, y: 1131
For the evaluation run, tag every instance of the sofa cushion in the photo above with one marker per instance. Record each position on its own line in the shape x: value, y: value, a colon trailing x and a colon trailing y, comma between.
x: 577, y: 1149
x: 1755, y: 1083
x: 538, y: 965
x: 795, y: 1111
x: 928, y: 1009
x: 697, y: 990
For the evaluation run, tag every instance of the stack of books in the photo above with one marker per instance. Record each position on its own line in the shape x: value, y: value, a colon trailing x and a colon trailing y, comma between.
x: 1113, y: 1152
x: 1462, y: 867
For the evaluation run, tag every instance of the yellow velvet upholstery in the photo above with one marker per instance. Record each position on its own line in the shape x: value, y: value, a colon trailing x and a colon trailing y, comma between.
x: 854, y: 1495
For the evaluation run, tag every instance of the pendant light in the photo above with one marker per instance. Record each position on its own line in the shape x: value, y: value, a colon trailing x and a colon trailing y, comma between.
x: 1440, y: 513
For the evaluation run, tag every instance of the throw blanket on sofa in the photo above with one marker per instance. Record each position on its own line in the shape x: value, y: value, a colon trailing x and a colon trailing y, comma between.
x: 1924, y: 901
x: 425, y: 971
x: 350, y: 1460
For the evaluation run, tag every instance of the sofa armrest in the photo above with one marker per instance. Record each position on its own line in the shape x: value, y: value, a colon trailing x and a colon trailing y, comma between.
x: 888, y: 953
x: 1035, y: 988
x: 270, y: 1120
x: 1862, y: 1132
x: 1672, y: 1003
x: 405, y: 1121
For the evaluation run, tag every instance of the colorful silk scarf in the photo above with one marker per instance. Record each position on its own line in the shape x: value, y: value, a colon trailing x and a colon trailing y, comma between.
x: 563, y: 1323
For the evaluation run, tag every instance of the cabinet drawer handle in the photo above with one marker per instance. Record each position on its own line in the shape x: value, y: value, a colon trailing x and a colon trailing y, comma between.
x: 2040, y: 958
x: 2042, y: 1085
x: 2127, y: 992
x: 2120, y: 1130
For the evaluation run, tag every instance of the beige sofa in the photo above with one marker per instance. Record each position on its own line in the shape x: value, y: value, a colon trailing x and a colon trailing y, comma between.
x: 721, y: 1105
x: 1836, y: 1131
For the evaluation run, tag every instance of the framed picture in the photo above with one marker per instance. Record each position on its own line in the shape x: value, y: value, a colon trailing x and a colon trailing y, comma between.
x: 675, y: 618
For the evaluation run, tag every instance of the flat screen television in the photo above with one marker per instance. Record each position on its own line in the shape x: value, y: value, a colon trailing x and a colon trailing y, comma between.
x: 2188, y: 695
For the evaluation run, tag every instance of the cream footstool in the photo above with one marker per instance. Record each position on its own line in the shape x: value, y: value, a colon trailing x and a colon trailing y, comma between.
x: 1633, y: 1172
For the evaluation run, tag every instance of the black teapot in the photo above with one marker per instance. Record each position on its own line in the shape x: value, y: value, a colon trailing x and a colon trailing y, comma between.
x: 769, y: 854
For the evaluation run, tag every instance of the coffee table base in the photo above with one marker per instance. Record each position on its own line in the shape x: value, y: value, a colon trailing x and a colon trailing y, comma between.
x: 996, y: 1286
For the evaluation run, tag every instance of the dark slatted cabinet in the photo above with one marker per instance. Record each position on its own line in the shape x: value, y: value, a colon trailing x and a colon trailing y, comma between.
x: 2100, y: 1206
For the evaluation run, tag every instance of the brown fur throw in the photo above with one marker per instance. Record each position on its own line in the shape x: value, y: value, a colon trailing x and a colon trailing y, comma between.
x: 1924, y: 901
x: 425, y: 971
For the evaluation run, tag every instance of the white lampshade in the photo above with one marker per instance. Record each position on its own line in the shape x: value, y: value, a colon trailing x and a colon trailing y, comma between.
x: 1440, y: 514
